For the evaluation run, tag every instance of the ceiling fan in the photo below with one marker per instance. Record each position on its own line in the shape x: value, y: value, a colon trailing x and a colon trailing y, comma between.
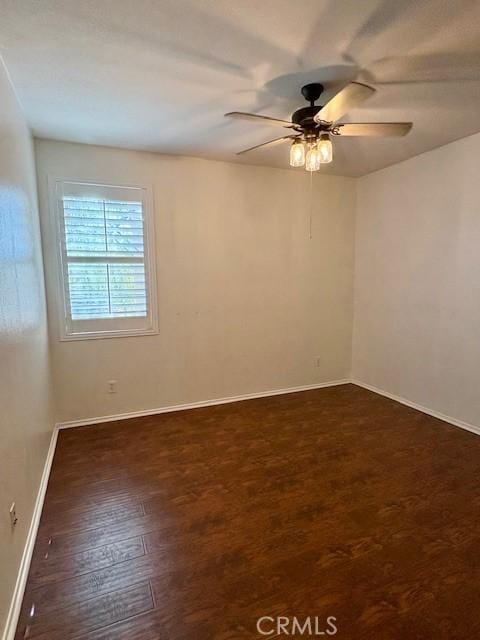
x: 311, y: 127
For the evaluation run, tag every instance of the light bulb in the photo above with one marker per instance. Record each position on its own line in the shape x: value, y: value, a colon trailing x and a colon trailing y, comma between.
x: 312, y: 161
x: 297, y: 153
x: 325, y: 148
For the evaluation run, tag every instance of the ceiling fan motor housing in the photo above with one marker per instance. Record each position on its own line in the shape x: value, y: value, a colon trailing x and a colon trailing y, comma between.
x: 304, y: 116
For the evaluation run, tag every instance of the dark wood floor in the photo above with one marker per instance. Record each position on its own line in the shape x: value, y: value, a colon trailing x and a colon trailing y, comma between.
x: 191, y: 525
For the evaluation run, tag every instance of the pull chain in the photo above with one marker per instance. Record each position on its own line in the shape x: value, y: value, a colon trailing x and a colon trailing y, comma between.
x: 311, y: 204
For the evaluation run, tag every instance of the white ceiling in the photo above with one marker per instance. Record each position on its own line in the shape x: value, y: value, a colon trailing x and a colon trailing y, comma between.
x: 159, y: 74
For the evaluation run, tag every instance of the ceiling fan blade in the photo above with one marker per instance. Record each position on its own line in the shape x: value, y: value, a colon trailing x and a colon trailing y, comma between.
x: 270, y: 143
x: 348, y: 98
x: 241, y: 115
x: 374, y: 129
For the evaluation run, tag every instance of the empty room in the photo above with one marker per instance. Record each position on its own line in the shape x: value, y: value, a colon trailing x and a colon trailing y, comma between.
x: 239, y: 319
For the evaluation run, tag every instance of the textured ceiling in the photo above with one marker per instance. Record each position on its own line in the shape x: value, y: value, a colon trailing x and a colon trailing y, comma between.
x: 159, y: 74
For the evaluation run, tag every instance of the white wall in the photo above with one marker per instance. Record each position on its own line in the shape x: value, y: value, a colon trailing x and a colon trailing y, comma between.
x: 417, y: 280
x: 25, y: 420
x: 246, y: 300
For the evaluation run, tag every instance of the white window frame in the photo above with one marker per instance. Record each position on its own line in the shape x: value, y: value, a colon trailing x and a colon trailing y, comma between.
x: 103, y: 327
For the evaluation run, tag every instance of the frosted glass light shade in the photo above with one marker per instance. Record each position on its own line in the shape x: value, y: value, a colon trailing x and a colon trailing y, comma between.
x: 325, y: 149
x: 297, y: 154
x: 312, y: 161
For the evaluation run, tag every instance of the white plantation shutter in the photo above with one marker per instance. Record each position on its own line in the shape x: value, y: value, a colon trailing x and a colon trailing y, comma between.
x: 105, y: 260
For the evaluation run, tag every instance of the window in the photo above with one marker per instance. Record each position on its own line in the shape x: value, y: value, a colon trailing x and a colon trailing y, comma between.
x: 105, y: 259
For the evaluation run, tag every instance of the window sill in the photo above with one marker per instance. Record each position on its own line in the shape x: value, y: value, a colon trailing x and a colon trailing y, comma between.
x: 102, y: 335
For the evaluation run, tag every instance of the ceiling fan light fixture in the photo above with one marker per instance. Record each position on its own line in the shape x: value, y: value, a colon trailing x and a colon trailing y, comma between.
x: 297, y: 153
x: 325, y: 149
x: 312, y: 160
x: 311, y: 127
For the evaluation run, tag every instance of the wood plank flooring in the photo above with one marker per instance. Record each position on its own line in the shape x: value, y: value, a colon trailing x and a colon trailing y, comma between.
x: 192, y: 525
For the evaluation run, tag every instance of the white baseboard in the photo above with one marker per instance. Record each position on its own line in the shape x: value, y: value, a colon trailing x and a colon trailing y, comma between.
x: 16, y: 602
x: 431, y: 412
x: 263, y: 394
x: 195, y: 405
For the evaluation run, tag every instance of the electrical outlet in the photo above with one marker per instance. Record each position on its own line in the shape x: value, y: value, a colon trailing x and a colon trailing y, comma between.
x: 112, y: 386
x: 318, y: 361
x: 13, y: 514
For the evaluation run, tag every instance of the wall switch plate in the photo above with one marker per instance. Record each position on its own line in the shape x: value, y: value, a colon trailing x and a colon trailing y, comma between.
x: 112, y: 386
x: 13, y: 514
x: 318, y: 361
